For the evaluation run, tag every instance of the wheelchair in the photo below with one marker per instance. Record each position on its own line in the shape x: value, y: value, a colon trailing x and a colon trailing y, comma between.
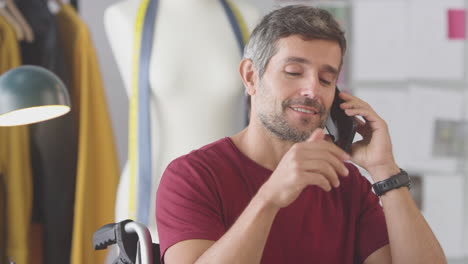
x: 133, y: 241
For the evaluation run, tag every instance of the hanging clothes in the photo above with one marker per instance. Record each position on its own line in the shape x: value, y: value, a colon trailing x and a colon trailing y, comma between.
x: 45, y: 50
x: 98, y: 170
x: 3, y: 219
x: 54, y: 143
x: 74, y: 3
x: 10, y: 56
x: 15, y: 167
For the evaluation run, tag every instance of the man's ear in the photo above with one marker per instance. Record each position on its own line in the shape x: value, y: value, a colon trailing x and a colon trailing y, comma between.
x: 248, y: 75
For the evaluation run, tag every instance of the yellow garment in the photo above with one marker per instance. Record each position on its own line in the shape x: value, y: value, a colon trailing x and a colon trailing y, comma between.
x: 15, y: 166
x: 97, y: 173
x: 10, y: 55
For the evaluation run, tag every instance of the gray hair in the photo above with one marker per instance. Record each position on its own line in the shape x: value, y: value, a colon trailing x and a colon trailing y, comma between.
x: 305, y: 21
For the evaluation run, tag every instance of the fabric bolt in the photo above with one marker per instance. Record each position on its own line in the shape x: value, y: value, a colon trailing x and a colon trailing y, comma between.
x: 97, y: 166
x: 203, y: 193
x: 53, y: 142
x: 15, y: 168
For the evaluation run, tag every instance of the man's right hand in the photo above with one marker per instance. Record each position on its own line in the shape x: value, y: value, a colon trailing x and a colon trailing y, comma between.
x: 312, y: 162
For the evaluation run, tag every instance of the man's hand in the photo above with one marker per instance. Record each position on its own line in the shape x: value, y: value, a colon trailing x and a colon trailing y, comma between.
x: 313, y: 162
x: 374, y: 152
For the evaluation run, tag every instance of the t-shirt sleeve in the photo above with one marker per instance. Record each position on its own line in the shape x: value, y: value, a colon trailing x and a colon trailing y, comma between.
x: 187, y: 204
x: 371, y: 226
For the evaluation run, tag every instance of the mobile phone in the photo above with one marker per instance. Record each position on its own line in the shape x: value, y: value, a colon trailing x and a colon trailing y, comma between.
x: 341, y: 128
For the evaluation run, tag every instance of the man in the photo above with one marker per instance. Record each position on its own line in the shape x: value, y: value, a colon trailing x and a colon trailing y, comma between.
x: 278, y: 191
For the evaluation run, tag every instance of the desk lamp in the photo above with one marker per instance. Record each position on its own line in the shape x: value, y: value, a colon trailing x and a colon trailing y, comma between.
x: 31, y: 94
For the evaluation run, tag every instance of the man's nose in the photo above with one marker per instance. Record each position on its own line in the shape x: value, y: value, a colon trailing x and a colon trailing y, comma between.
x: 311, y: 87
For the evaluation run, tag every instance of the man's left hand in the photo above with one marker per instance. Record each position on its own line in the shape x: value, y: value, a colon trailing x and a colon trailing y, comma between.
x: 374, y: 152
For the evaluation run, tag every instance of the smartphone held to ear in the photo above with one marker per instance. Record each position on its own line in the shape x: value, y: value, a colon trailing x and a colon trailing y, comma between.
x: 340, y: 127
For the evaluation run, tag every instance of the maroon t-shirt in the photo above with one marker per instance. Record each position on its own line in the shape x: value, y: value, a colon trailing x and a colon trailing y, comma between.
x: 202, y: 194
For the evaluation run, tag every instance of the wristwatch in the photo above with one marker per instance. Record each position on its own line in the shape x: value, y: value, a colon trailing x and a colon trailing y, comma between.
x: 401, y: 179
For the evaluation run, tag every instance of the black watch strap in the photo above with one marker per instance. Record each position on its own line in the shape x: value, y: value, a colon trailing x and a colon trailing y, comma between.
x: 396, y: 181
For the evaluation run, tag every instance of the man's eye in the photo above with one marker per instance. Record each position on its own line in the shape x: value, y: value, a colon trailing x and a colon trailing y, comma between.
x: 293, y: 73
x: 325, y: 82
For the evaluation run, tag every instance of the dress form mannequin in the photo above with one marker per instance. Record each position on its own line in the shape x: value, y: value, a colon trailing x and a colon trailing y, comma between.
x: 196, y: 92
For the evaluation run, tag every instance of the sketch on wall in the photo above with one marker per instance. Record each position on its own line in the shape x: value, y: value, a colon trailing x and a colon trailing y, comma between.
x: 450, y: 138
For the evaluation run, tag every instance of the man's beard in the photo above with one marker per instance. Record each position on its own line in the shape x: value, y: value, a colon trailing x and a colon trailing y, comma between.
x: 278, y: 125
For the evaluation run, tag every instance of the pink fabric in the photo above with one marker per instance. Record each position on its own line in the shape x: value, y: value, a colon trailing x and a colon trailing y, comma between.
x: 202, y: 194
x: 456, y: 23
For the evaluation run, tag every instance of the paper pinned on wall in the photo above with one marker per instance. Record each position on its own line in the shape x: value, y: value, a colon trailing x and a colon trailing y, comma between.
x: 450, y: 138
x: 433, y: 56
x: 456, y: 24
x: 379, y: 36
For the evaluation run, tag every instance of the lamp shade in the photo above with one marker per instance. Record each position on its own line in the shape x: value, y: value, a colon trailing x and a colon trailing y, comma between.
x: 31, y: 94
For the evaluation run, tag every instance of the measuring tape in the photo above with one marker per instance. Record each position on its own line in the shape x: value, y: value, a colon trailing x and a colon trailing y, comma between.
x: 140, y: 124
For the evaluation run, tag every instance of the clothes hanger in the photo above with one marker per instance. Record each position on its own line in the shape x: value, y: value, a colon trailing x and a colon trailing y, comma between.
x: 55, y: 5
x: 28, y: 33
x: 11, y: 21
